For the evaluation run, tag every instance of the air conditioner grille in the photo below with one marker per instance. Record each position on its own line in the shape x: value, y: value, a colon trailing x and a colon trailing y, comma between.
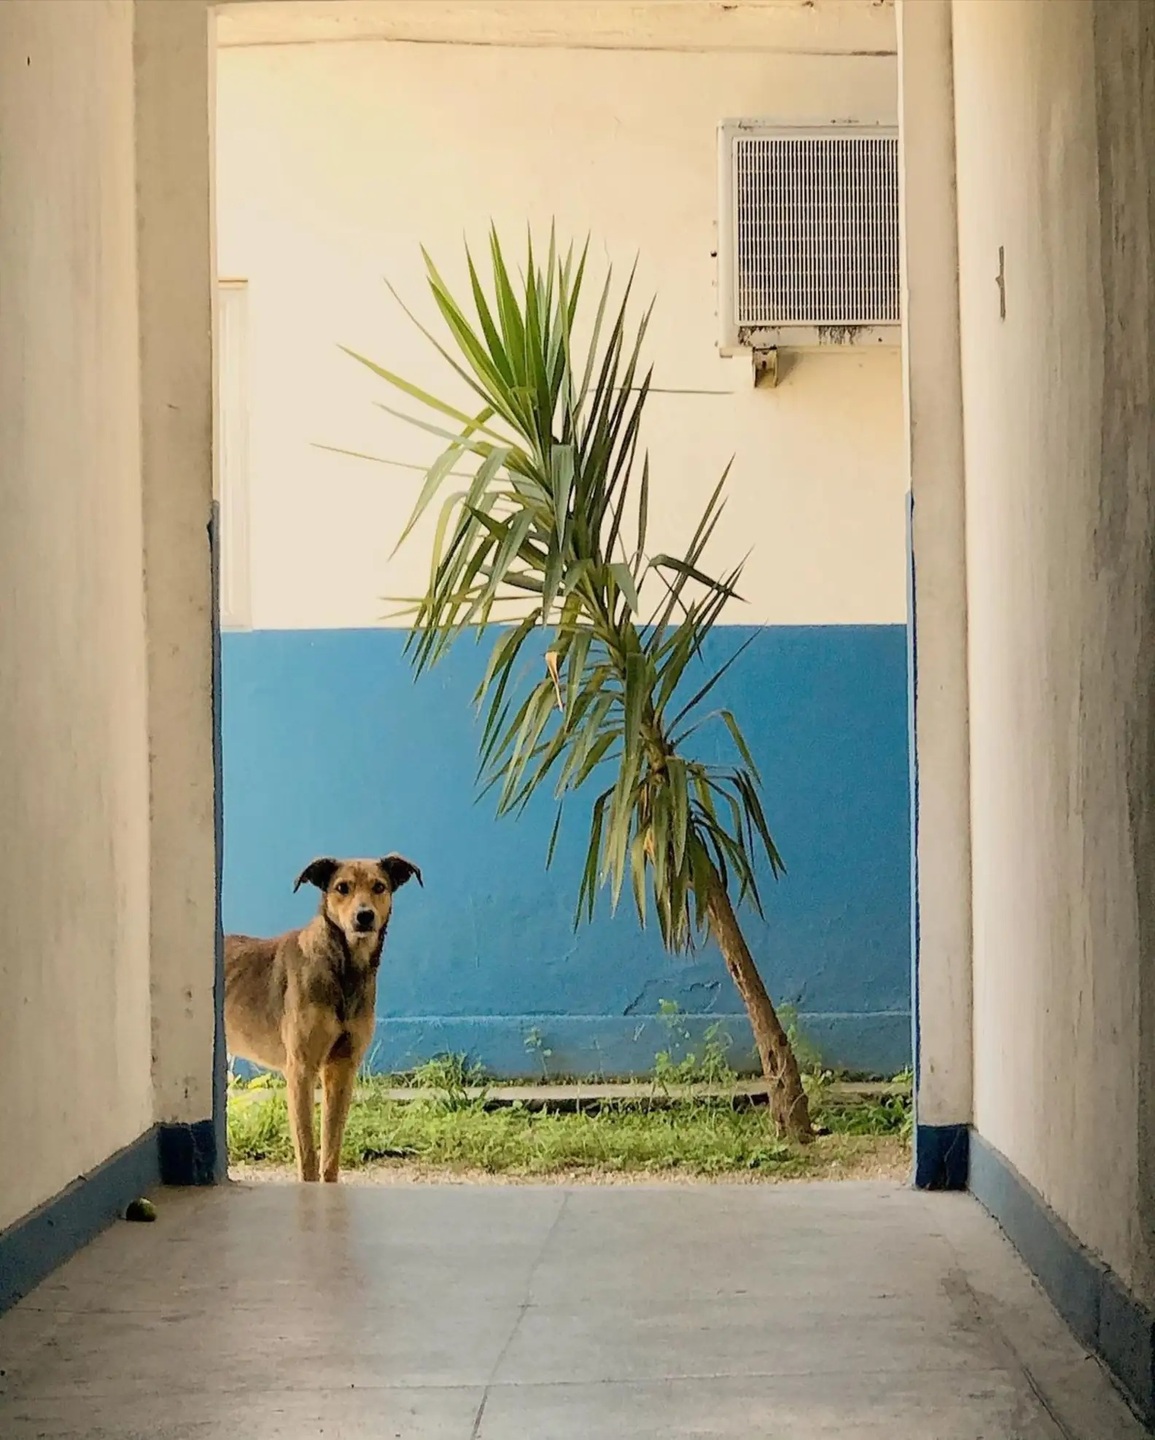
x: 816, y: 230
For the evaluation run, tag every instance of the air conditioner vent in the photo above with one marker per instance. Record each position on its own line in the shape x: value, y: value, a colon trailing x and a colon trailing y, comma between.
x: 809, y: 236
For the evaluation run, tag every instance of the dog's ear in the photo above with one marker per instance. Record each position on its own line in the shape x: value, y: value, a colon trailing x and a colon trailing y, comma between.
x: 398, y: 870
x: 318, y: 873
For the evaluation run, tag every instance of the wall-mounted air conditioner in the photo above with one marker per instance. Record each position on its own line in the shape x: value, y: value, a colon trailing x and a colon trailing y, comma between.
x: 807, y: 238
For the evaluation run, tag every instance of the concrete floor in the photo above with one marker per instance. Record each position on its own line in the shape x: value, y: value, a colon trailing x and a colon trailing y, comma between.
x: 509, y: 1313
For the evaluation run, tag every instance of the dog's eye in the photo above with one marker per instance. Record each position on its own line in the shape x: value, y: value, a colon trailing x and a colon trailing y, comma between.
x: 378, y: 887
x: 342, y: 887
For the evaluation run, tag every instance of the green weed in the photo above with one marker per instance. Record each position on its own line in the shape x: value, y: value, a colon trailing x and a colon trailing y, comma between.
x: 708, y: 1067
x: 535, y: 1045
x: 452, y: 1083
x: 692, y: 1137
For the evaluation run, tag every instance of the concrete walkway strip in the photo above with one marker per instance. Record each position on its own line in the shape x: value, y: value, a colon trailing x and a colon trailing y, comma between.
x: 816, y: 1311
x: 571, y: 1097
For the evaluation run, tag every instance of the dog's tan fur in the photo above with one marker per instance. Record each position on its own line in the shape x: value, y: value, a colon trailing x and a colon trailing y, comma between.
x: 305, y: 1002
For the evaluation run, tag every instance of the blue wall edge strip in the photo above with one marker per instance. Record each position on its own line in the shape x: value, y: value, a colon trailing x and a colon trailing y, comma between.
x: 1103, y: 1314
x: 44, y: 1239
x: 220, y: 1052
x: 39, y: 1243
x: 191, y: 1154
x: 912, y: 793
x: 941, y: 1157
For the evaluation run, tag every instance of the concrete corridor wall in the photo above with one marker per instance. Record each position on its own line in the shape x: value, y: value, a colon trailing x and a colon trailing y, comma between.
x: 1055, y: 111
x: 106, y: 982
x: 76, y: 1054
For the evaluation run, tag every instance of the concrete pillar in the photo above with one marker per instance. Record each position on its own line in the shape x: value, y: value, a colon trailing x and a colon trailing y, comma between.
x: 934, y: 422
x: 175, y: 240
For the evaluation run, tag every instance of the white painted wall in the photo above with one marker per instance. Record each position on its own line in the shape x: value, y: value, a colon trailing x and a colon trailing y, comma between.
x: 1056, y: 152
x: 75, y: 1052
x: 337, y: 161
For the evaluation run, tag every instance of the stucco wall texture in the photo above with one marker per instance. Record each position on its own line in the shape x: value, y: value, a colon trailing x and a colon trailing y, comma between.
x: 1055, y: 109
x: 74, y: 965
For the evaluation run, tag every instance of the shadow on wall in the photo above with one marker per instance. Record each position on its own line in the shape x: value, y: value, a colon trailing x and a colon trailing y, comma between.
x: 330, y: 747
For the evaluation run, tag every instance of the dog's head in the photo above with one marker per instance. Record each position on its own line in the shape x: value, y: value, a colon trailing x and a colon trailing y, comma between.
x: 357, y: 895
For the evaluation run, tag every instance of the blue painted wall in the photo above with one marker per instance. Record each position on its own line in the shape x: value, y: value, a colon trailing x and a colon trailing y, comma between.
x: 331, y: 747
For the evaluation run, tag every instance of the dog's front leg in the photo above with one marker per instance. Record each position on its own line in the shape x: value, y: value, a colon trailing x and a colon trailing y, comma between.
x: 302, y: 1086
x: 338, y: 1078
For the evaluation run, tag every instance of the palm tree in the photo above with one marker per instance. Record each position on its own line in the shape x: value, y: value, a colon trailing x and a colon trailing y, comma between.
x: 551, y: 533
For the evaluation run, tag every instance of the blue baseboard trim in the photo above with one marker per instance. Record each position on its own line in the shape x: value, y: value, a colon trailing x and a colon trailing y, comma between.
x: 190, y: 1154
x: 44, y: 1239
x: 1090, y: 1297
x: 941, y: 1157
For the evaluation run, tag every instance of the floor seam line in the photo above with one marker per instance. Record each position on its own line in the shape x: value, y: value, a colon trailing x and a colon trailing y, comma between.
x: 521, y: 1314
x: 477, y: 1419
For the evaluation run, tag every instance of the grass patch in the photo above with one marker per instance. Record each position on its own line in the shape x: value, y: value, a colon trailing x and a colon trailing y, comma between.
x: 454, y: 1133
x: 454, y: 1130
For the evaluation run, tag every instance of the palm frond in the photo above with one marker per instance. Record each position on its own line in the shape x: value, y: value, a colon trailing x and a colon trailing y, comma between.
x: 558, y: 466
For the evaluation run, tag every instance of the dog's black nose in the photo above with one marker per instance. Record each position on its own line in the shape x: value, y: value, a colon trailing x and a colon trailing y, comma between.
x: 364, y: 919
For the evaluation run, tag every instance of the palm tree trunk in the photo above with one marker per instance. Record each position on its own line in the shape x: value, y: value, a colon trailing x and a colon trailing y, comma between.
x: 788, y: 1101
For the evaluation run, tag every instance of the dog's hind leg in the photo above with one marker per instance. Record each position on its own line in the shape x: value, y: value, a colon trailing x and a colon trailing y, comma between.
x: 302, y: 1087
x: 338, y: 1076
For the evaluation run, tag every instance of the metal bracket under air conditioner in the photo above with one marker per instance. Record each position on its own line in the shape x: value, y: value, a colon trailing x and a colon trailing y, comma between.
x: 765, y: 367
x: 765, y: 345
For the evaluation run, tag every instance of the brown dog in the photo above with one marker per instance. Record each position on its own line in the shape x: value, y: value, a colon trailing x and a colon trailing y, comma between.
x: 305, y: 1003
